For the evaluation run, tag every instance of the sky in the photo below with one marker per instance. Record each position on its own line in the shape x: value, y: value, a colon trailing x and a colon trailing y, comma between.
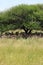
x: 6, y: 4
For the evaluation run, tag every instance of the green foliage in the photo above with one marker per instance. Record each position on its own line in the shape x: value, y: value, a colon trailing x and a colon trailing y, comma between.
x: 24, y: 17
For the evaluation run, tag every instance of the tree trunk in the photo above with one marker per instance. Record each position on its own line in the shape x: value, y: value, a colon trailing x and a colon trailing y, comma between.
x: 26, y: 31
x: 30, y: 31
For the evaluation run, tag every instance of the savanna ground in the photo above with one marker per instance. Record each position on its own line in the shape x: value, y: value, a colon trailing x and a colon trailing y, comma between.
x: 21, y: 51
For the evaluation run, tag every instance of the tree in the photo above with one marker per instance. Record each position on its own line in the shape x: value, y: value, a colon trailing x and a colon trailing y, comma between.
x: 26, y: 17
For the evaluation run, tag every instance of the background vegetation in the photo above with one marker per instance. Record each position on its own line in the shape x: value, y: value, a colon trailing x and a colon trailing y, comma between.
x: 26, y: 17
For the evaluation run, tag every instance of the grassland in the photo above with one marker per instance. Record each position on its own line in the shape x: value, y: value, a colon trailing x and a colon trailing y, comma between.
x: 21, y: 51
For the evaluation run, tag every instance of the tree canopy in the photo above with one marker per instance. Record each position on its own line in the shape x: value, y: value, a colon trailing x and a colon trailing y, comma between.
x: 26, y: 17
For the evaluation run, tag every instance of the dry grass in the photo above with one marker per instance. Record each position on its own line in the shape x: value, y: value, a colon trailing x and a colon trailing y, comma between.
x: 21, y: 51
